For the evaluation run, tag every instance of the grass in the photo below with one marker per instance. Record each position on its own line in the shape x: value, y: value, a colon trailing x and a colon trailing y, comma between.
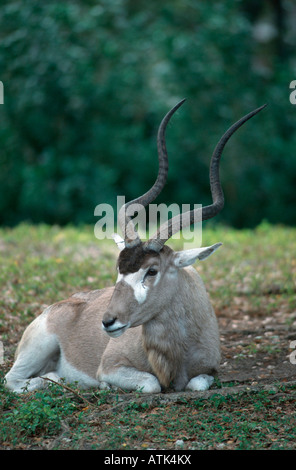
x: 219, y: 422
x: 55, y: 420
x: 252, y: 274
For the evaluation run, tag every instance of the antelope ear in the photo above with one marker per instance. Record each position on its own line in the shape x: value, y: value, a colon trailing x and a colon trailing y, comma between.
x: 188, y: 257
x: 119, y: 241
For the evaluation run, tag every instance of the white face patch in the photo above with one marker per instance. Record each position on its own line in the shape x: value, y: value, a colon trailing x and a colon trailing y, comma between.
x: 119, y: 277
x: 136, y: 281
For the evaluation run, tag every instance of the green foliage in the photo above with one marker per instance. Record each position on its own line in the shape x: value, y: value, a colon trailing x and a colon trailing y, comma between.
x: 87, y: 83
x: 41, y: 413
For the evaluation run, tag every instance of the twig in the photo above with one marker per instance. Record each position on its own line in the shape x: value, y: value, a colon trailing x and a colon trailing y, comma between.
x: 66, y: 387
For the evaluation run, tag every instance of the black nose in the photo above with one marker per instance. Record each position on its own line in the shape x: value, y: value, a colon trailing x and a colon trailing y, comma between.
x: 108, y: 323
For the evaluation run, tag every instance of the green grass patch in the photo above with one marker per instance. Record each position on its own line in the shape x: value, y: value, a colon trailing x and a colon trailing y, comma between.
x: 57, y: 420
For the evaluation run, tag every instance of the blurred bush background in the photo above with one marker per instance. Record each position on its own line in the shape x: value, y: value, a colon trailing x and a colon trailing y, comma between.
x: 86, y: 84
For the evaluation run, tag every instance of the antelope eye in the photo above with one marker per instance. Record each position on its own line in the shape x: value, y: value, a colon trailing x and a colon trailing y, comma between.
x: 151, y: 272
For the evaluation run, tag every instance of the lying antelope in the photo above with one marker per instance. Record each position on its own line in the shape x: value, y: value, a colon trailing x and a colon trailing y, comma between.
x: 154, y: 329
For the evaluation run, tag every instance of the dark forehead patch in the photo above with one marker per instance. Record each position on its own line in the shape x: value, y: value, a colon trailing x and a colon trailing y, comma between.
x: 131, y: 259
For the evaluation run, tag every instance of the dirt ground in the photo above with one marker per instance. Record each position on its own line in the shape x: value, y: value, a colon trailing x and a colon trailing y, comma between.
x: 256, y: 348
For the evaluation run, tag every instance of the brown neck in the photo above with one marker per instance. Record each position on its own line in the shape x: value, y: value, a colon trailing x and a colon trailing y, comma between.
x: 165, y: 346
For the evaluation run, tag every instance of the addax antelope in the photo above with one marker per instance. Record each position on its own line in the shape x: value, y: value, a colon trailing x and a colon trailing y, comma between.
x: 154, y: 329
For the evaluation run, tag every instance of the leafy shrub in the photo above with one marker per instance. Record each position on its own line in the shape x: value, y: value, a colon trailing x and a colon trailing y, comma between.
x: 86, y: 85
